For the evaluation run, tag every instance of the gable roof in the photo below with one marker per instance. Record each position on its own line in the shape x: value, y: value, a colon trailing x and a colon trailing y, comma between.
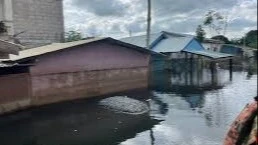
x: 61, y: 46
x: 162, y: 42
x: 174, y: 42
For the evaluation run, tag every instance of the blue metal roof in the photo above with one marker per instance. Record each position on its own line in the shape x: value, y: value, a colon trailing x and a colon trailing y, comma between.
x: 210, y: 54
x: 162, y: 42
x: 174, y: 42
x: 141, y: 40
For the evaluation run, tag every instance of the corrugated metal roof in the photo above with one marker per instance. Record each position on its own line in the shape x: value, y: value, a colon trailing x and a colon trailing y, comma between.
x: 49, y: 48
x: 210, y: 54
x: 141, y: 40
x: 60, y: 46
x: 170, y: 42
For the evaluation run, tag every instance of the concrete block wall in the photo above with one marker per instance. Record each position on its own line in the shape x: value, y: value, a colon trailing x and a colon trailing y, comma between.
x: 14, y: 92
x: 54, y: 88
x: 40, y: 20
x: 21, y: 91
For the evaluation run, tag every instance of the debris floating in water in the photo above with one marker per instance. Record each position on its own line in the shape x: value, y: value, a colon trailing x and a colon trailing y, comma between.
x: 125, y: 104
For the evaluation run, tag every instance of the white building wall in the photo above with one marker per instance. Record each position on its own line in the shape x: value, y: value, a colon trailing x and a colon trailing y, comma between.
x: 212, y: 46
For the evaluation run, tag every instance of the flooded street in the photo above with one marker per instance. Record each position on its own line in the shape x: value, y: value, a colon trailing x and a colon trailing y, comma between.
x: 186, y: 108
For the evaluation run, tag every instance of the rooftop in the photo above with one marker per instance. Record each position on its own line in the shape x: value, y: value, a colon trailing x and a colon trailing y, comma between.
x: 60, y: 46
x: 167, y: 41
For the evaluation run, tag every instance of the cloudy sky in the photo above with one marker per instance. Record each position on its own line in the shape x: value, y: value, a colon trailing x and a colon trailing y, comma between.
x: 119, y: 18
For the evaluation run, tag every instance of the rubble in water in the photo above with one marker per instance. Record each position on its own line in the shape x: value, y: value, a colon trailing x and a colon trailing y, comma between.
x: 124, y: 104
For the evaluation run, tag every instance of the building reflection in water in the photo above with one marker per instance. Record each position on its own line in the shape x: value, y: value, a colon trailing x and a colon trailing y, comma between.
x: 191, y: 85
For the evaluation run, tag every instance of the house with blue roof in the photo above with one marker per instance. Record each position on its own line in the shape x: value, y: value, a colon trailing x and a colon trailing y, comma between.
x: 175, y: 46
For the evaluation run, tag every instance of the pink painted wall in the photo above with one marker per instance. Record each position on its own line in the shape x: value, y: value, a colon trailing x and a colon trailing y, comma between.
x: 94, y: 56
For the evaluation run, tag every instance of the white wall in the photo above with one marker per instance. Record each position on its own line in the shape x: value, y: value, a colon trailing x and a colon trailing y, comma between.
x: 212, y: 46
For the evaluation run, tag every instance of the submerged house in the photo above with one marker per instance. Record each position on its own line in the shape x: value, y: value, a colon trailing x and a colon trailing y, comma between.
x: 175, y: 46
x: 232, y: 49
x: 212, y: 44
x: 68, y: 71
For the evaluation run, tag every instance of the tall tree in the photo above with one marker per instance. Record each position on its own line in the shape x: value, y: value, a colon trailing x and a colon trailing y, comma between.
x: 215, y: 21
x: 200, y: 33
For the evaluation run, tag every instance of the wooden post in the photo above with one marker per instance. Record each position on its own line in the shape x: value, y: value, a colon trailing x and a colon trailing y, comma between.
x: 230, y: 69
x: 191, y: 69
x: 212, y: 68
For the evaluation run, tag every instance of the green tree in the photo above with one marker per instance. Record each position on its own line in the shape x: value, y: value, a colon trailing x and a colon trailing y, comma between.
x: 200, y: 33
x: 73, y: 36
x: 215, y: 21
x: 251, y: 39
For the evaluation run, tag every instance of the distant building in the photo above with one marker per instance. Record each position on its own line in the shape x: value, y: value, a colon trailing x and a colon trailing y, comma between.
x: 212, y: 44
x: 174, y: 46
x: 232, y: 49
x: 32, y: 23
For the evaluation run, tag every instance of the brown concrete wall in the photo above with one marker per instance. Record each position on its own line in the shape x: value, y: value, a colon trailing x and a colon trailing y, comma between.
x: 14, y: 92
x: 68, y: 86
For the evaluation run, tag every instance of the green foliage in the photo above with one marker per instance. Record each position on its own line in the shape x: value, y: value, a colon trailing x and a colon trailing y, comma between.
x: 200, y: 33
x: 73, y: 36
x: 221, y: 38
x: 250, y: 39
x: 3, y: 28
x: 214, y: 20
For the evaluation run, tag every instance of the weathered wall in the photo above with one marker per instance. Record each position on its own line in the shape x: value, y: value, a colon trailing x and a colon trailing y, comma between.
x: 86, y: 71
x: 89, y: 70
x: 14, y: 92
x: 68, y: 86
x: 94, y: 56
x: 42, y: 21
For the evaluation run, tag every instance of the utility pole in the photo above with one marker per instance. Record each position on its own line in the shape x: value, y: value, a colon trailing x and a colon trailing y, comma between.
x: 130, y: 33
x: 225, y: 25
x: 148, y: 25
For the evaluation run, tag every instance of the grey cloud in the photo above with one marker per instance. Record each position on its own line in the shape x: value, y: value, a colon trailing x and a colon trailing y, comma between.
x: 240, y: 23
x: 170, y: 15
x: 102, y: 7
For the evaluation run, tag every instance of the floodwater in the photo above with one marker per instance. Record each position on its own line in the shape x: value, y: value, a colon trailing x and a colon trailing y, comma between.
x: 186, y: 108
